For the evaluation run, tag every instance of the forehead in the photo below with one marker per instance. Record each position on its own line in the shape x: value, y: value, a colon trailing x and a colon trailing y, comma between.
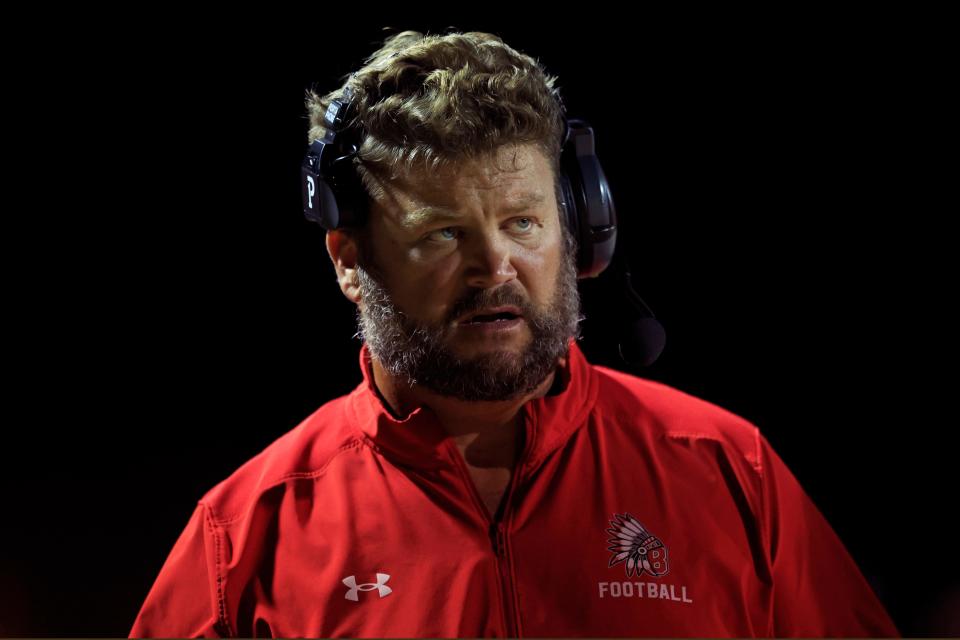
x: 513, y: 178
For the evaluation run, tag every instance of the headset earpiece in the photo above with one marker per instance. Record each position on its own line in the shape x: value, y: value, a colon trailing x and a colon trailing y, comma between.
x: 333, y: 194
x: 588, y: 205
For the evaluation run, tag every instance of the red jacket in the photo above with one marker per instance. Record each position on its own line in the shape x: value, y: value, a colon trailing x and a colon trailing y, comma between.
x: 635, y: 510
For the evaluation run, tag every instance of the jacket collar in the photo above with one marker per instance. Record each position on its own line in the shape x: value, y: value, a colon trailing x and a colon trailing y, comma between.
x: 419, y: 440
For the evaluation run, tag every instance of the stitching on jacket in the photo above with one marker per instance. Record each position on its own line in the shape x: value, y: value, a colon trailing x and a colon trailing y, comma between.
x: 301, y: 475
x: 696, y: 435
x: 298, y: 475
x: 213, y: 516
x: 215, y: 525
x: 221, y: 603
x: 693, y: 435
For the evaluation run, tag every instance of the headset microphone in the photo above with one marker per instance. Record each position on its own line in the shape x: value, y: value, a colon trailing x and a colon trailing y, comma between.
x: 642, y: 337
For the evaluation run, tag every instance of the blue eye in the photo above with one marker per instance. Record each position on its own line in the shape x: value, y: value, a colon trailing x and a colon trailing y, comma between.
x: 450, y: 229
x: 443, y: 238
x: 451, y: 233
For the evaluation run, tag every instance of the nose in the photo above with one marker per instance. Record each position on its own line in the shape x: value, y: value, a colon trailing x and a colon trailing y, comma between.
x: 490, y: 263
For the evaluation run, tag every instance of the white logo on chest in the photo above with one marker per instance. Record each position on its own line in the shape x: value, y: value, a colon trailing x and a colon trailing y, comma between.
x: 380, y: 585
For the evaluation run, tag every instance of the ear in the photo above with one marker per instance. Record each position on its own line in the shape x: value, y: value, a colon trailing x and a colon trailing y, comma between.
x: 343, y: 253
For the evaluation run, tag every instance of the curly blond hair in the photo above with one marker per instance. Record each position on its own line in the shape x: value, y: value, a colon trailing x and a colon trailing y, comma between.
x: 430, y: 101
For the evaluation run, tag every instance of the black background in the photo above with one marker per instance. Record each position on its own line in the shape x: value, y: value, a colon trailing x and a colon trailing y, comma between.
x: 171, y: 316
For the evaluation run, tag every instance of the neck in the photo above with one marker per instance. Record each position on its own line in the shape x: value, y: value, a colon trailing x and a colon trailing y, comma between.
x: 486, y: 430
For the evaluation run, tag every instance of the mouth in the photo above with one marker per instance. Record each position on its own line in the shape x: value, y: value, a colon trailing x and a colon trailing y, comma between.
x: 495, y: 315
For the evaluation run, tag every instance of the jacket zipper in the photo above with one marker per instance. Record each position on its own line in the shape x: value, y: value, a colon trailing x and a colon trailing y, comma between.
x: 503, y: 563
x: 498, y: 533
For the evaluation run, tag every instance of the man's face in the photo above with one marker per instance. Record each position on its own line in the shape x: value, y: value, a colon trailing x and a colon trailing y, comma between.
x: 483, y: 235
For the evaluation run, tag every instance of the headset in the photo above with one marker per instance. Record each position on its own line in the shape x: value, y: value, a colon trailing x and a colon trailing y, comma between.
x: 334, y: 197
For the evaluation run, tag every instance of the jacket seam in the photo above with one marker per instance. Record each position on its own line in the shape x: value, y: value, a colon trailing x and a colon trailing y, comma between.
x: 295, y: 475
x: 693, y: 435
x: 758, y: 465
x: 216, y: 527
x: 221, y: 601
x: 698, y: 435
x: 577, y: 422
x: 764, y: 532
x: 307, y: 475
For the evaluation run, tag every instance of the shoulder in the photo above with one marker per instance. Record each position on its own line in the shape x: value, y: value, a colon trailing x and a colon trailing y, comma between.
x: 303, y: 453
x: 673, y: 415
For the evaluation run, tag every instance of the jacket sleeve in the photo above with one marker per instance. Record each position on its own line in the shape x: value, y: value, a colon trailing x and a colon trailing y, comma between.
x: 183, y: 601
x: 818, y: 590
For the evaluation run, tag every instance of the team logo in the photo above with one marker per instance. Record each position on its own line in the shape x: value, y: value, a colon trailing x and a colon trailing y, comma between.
x: 639, y: 549
x: 380, y: 585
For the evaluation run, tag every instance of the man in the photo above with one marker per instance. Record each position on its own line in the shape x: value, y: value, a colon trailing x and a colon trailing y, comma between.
x: 484, y: 479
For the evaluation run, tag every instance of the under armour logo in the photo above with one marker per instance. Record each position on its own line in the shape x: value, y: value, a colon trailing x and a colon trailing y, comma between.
x: 380, y: 585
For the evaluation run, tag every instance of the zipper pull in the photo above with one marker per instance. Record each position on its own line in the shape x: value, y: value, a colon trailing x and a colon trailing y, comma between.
x: 501, y: 543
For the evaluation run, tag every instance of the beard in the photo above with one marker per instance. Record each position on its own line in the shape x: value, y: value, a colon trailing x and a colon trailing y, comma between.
x: 420, y: 354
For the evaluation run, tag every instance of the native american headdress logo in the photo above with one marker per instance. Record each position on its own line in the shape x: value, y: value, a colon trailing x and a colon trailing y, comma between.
x: 638, y: 548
